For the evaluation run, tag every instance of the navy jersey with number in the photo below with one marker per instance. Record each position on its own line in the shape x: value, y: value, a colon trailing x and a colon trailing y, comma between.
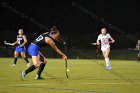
x: 40, y: 41
x: 20, y: 40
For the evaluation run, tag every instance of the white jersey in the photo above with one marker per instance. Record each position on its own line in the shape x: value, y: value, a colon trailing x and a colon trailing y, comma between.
x: 104, y: 41
x: 137, y: 47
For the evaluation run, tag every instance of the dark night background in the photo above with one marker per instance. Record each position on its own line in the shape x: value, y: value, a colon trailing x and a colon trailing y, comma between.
x: 73, y: 23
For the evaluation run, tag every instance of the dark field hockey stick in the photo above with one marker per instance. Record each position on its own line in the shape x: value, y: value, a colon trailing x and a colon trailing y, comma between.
x: 66, y: 64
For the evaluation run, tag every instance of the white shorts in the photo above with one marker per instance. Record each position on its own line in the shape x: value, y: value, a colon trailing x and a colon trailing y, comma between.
x: 105, y: 47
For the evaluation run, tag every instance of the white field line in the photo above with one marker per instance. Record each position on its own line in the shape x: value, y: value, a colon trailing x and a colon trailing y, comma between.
x: 18, y: 85
x: 29, y: 85
x: 82, y: 63
x: 106, y: 83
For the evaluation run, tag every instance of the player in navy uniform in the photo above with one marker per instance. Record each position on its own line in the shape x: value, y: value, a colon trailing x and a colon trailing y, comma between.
x: 138, y: 48
x: 34, y: 50
x: 20, y: 47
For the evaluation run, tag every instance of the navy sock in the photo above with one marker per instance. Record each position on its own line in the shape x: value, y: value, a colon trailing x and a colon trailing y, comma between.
x: 30, y: 69
x: 27, y: 61
x: 41, y: 68
x: 15, y: 60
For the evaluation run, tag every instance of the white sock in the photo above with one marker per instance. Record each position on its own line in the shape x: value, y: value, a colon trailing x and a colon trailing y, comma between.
x: 107, y: 62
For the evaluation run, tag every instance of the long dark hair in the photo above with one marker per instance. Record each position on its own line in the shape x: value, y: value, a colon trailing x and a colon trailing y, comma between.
x: 54, y: 30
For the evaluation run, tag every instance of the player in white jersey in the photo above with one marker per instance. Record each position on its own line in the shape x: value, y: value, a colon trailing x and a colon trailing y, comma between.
x: 105, y: 39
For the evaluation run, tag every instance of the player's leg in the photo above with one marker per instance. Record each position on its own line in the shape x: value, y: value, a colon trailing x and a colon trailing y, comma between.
x: 106, y: 56
x: 35, y: 65
x: 34, y: 52
x: 25, y: 58
x: 42, y: 66
x: 15, y: 58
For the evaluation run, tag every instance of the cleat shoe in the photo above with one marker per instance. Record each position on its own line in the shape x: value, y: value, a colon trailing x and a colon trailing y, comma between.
x: 108, y: 68
x: 38, y: 77
x: 13, y: 65
x: 23, y: 74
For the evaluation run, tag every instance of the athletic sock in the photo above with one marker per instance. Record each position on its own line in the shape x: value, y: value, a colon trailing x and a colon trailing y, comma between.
x: 30, y: 69
x: 27, y: 61
x: 41, y: 68
x: 107, y: 62
x: 15, y: 61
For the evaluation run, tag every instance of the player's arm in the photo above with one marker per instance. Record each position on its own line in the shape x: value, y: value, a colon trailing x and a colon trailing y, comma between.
x: 25, y: 41
x: 111, y: 39
x: 52, y: 44
x: 15, y: 42
x: 137, y: 47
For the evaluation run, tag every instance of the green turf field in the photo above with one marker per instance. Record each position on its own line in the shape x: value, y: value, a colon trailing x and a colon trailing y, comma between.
x: 85, y: 76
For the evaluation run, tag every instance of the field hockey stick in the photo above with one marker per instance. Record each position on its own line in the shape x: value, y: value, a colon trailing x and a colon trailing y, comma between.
x: 10, y: 44
x: 94, y: 44
x: 66, y: 64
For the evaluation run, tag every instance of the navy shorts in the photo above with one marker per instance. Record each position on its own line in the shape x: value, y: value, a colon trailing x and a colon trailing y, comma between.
x: 33, y: 50
x: 20, y: 49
